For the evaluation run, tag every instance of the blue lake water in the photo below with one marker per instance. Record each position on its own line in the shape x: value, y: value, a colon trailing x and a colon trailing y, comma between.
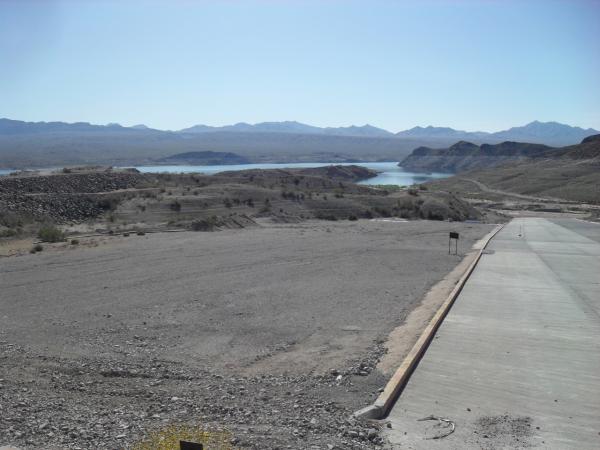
x: 389, y: 172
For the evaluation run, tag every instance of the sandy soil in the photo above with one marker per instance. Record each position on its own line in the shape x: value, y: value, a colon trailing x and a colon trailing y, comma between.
x: 285, y: 308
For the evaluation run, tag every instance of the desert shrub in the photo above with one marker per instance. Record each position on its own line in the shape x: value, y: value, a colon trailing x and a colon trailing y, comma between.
x: 66, y: 170
x: 368, y: 214
x: 108, y: 203
x: 36, y: 248
x: 413, y: 192
x: 140, y: 233
x: 175, y: 206
x: 9, y: 232
x: 227, y: 202
x: 434, y: 210
x: 206, y: 224
x: 326, y: 216
x: 10, y: 220
x: 74, y: 242
x: 50, y: 233
x: 352, y: 217
x: 405, y: 214
x: 267, y: 206
x: 422, y: 187
x: 383, y: 212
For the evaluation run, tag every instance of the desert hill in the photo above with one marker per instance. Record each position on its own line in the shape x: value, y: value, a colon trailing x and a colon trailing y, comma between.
x: 467, y: 156
x: 569, y: 173
x: 204, y: 158
x: 464, y: 156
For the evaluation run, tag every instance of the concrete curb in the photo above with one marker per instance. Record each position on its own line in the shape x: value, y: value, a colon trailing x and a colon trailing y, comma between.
x: 396, y: 384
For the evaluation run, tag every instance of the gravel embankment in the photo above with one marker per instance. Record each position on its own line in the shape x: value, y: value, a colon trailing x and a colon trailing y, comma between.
x: 273, y: 332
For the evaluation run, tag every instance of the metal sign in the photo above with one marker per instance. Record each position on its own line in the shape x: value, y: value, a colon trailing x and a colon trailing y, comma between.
x: 183, y: 445
x: 453, y: 235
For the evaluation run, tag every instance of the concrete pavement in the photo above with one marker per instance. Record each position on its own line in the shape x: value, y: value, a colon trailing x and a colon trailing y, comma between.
x: 516, y: 363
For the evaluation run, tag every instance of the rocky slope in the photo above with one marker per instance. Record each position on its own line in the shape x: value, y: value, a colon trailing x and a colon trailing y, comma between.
x: 464, y: 156
x: 130, y: 201
x: 569, y: 173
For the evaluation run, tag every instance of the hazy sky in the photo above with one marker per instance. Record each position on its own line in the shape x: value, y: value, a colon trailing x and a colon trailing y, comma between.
x: 466, y: 64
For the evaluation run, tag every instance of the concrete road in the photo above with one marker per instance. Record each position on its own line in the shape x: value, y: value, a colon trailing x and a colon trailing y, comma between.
x: 516, y: 363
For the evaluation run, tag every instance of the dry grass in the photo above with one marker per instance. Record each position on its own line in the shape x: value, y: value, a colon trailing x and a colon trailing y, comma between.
x: 168, y: 438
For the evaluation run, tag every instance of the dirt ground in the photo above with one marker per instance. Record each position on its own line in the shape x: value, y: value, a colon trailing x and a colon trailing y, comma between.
x: 273, y: 332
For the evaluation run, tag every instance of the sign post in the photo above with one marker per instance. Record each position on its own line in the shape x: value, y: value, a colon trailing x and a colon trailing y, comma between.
x: 184, y: 445
x: 453, y: 235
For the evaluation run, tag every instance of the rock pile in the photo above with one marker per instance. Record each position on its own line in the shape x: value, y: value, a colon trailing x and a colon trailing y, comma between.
x: 104, y: 403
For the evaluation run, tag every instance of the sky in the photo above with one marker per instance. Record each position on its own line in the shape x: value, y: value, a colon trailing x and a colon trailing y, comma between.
x: 473, y: 65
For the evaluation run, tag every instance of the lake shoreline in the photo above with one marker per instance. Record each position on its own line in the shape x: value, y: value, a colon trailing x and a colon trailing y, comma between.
x: 389, y: 173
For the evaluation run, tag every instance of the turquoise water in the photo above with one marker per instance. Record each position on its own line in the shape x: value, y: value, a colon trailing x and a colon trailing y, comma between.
x: 390, y: 173
x: 5, y: 171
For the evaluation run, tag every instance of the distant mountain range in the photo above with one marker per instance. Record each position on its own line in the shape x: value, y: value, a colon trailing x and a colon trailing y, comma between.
x: 35, y: 144
x: 207, y: 158
x: 549, y: 133
x: 292, y: 127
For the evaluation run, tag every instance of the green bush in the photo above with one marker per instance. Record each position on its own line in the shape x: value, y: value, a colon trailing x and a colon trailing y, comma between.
x: 9, y: 232
x: 36, y: 248
x: 51, y: 233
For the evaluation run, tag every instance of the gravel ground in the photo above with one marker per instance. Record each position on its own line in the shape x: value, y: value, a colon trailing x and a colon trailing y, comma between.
x: 273, y: 332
